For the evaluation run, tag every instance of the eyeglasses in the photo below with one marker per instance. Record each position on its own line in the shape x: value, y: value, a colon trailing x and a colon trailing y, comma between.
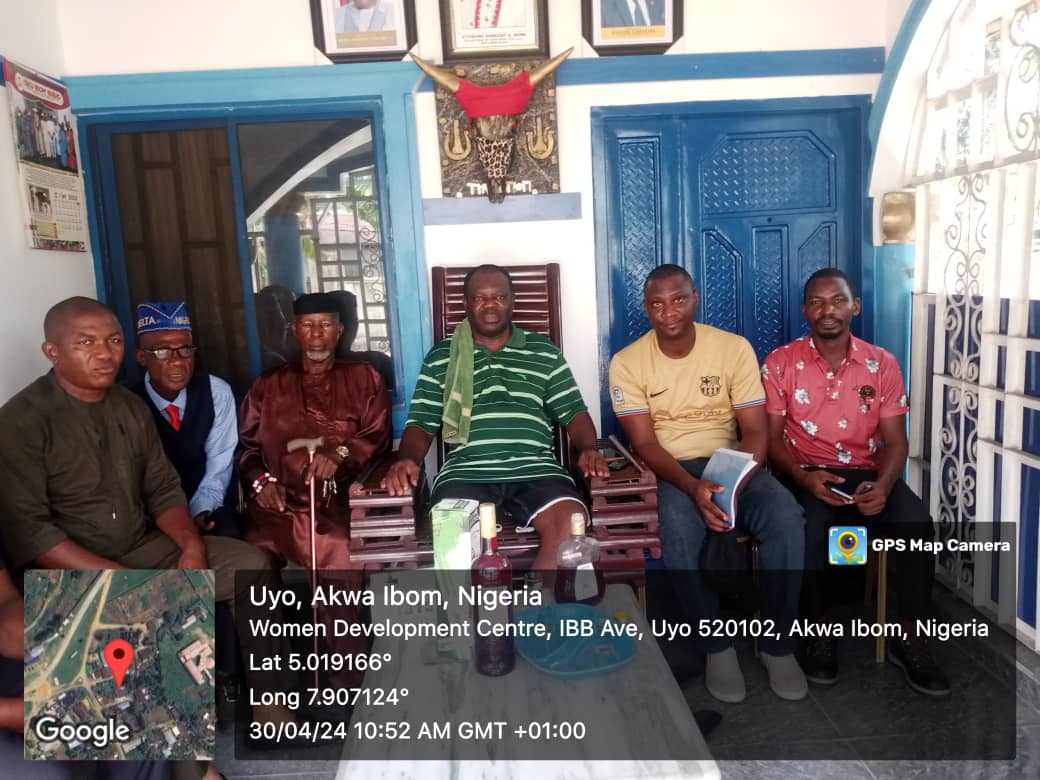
x: 165, y: 353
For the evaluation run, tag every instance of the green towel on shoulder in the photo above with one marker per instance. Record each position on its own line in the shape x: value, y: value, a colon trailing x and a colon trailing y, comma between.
x: 458, y: 387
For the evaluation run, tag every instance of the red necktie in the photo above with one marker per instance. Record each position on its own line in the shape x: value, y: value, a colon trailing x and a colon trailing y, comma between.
x: 175, y: 416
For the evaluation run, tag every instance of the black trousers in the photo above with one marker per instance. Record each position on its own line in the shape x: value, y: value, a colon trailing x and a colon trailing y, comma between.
x: 905, y: 516
x: 226, y: 522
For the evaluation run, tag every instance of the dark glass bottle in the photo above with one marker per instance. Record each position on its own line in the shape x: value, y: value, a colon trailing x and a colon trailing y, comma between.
x: 491, y: 570
x: 578, y: 575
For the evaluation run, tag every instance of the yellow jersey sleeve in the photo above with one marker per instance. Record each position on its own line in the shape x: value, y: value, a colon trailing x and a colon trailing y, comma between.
x: 745, y: 380
x: 627, y: 390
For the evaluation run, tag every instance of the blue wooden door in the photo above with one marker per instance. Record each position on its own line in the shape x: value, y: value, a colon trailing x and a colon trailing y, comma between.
x: 749, y: 197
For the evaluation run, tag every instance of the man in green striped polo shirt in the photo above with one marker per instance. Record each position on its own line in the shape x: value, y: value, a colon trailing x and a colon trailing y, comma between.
x: 521, y: 385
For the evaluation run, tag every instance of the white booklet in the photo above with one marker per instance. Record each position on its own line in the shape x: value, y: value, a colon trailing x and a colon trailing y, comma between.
x: 729, y: 468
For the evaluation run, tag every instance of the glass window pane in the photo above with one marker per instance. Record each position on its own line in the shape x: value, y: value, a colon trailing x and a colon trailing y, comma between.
x: 987, y: 115
x: 963, y: 141
x: 314, y: 225
x: 965, y: 46
x: 933, y: 151
x: 991, y: 57
x: 936, y: 84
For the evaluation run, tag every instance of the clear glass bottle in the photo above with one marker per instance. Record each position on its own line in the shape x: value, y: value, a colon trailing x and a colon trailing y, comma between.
x: 578, y: 575
x: 495, y: 655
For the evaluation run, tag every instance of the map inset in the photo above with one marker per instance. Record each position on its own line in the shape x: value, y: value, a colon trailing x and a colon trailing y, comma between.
x: 164, y: 707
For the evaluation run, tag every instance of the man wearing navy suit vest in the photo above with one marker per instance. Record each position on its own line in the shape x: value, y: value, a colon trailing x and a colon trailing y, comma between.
x: 197, y: 419
x: 195, y: 413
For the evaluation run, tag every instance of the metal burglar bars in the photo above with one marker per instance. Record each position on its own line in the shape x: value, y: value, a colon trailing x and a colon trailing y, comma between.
x: 341, y: 246
x: 975, y: 373
x: 349, y: 252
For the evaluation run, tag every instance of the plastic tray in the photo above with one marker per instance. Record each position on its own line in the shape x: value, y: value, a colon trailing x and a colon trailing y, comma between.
x: 573, y: 656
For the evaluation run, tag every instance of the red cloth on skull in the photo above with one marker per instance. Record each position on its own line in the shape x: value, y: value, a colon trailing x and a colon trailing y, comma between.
x: 495, y: 100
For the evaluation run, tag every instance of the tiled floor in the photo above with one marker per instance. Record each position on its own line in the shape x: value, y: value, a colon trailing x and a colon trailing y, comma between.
x: 850, y: 730
x: 855, y: 728
x: 836, y: 734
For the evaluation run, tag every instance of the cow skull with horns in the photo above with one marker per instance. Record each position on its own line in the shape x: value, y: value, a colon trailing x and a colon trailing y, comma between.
x: 493, y: 110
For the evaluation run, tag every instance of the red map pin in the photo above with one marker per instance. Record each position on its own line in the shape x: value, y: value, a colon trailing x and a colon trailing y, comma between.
x: 119, y: 654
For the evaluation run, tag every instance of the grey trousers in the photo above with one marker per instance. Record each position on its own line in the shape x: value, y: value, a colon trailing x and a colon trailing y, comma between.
x: 225, y: 557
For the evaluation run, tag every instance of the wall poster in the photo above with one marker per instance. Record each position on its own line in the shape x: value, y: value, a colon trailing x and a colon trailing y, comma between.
x: 48, y: 161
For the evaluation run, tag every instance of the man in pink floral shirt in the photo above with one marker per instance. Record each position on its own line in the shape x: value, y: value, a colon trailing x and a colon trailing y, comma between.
x: 837, y: 437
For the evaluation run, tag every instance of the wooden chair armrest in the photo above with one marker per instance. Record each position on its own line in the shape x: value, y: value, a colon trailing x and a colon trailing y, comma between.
x: 634, y: 474
x: 366, y: 483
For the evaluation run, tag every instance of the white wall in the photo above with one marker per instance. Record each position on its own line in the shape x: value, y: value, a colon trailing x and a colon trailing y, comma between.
x: 130, y: 36
x: 33, y: 280
x: 121, y: 36
x: 719, y: 26
x: 895, y: 10
x: 768, y: 25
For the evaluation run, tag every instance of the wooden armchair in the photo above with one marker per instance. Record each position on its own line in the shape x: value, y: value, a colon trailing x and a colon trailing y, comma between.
x: 383, y: 529
x: 536, y: 307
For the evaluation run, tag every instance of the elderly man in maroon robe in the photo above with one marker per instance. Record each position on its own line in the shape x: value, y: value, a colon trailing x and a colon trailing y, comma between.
x: 343, y: 402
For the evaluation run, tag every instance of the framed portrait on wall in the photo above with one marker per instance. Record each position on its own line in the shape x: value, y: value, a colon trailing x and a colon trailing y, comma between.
x: 363, y: 30
x: 494, y: 29
x: 631, y: 26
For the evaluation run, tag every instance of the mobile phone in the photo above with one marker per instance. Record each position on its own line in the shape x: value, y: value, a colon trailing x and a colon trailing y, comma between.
x: 839, y: 492
x: 615, y: 460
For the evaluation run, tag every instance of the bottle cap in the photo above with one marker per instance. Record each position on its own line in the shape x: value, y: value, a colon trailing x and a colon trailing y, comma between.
x: 577, y: 524
x: 488, y: 524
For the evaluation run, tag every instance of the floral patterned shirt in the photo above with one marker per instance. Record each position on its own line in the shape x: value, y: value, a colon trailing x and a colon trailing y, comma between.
x: 832, y: 418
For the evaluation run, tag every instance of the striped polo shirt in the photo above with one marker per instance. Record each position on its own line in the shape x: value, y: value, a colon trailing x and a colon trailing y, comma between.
x: 518, y: 392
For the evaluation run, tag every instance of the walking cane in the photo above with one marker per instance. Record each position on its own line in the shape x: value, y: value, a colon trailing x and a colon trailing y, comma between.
x: 311, y: 445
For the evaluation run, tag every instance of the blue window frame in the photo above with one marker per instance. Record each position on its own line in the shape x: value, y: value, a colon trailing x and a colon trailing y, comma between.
x: 380, y: 92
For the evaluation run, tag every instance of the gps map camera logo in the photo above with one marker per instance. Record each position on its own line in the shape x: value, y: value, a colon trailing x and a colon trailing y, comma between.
x: 848, y: 545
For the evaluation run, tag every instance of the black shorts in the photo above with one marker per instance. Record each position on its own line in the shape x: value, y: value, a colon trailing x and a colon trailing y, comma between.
x: 522, y: 500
